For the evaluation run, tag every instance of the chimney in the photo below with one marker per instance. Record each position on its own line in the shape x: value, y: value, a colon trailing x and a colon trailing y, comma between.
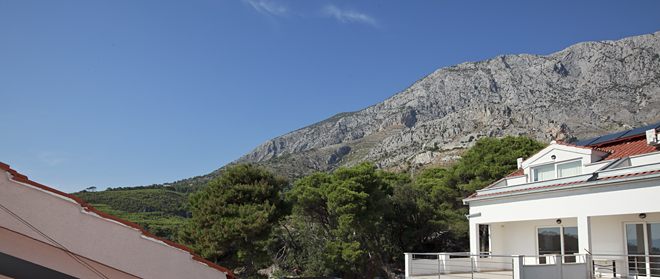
x: 520, y: 160
x: 652, y: 137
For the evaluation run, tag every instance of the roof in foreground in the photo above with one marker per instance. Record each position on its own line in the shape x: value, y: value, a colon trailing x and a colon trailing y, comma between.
x: 86, y: 207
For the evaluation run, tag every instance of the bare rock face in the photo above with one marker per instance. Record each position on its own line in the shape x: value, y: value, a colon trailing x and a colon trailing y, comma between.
x: 587, y: 89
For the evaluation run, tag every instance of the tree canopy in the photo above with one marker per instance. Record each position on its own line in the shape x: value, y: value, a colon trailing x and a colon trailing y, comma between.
x: 354, y: 222
x: 233, y: 218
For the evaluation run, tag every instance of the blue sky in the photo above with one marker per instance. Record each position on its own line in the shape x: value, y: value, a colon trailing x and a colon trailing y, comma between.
x: 135, y: 92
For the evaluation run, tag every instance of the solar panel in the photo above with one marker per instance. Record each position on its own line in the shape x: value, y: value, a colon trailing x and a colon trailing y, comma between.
x: 608, y: 137
x: 641, y: 130
x: 586, y: 142
x: 617, y: 135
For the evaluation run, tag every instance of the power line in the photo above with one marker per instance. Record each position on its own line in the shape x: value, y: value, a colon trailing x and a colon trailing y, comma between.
x: 71, y: 254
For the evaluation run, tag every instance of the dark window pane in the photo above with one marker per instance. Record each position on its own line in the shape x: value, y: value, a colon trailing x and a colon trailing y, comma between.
x: 635, y: 244
x: 484, y: 239
x: 635, y: 239
x: 570, y: 243
x: 654, y: 247
x: 549, y: 241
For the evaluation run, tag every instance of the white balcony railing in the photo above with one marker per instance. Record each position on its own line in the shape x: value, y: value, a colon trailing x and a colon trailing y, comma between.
x: 487, y: 266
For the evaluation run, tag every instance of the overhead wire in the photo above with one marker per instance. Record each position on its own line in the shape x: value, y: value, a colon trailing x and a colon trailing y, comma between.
x: 53, y: 241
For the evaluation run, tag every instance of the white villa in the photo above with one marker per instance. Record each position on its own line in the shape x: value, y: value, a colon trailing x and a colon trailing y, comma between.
x: 587, y: 210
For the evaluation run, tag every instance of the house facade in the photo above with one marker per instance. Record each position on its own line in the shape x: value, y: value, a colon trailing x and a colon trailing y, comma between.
x: 589, y: 209
x: 45, y: 233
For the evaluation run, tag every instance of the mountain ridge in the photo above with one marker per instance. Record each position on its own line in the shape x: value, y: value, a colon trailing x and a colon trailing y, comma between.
x: 585, y: 89
x: 407, y: 113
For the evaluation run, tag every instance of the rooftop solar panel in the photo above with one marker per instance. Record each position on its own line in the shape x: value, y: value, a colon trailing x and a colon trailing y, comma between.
x: 642, y: 130
x: 617, y: 135
x: 586, y: 141
x: 608, y: 137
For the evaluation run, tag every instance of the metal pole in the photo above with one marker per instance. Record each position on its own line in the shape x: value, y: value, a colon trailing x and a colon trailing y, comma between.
x: 472, y: 266
x: 439, y: 262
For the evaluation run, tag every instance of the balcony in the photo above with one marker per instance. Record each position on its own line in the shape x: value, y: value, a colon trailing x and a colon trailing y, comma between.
x: 575, y: 266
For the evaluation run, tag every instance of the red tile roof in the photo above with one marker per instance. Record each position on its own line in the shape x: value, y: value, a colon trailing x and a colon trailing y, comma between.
x: 16, y: 176
x: 627, y: 147
x: 517, y: 172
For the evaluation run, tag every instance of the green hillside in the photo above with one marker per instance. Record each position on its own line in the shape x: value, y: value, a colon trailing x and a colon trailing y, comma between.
x: 159, y: 210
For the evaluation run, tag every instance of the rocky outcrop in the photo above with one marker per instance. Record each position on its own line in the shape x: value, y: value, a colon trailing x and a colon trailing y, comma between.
x: 586, y: 89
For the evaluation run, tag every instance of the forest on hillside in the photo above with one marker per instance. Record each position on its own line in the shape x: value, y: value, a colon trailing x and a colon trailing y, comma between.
x: 354, y: 222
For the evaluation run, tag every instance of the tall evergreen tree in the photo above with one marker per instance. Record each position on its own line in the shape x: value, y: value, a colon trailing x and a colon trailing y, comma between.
x: 233, y: 218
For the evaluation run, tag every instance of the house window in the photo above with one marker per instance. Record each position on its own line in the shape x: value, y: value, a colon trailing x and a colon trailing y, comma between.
x: 552, y: 171
x: 643, y: 247
x: 549, y: 242
x: 569, y: 169
x: 558, y: 241
x: 544, y: 172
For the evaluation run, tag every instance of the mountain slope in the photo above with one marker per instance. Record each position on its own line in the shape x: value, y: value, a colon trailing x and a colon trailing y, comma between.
x: 586, y: 89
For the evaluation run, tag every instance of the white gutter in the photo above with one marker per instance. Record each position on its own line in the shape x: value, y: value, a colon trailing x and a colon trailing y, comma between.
x: 587, y: 184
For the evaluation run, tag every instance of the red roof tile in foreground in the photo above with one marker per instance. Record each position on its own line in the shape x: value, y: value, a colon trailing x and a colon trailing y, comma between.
x: 16, y: 176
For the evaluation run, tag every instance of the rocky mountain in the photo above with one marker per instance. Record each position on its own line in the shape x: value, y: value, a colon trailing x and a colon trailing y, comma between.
x: 586, y: 89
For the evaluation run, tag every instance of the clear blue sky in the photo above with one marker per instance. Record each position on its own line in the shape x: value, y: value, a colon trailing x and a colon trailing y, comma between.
x: 135, y: 92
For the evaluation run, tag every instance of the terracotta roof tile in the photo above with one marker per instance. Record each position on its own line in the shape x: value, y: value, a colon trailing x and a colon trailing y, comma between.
x: 625, y: 148
x: 16, y: 176
x: 517, y: 172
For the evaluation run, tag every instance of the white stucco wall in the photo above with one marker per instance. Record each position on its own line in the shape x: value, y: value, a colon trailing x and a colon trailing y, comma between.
x: 602, y: 209
x: 519, y: 238
x: 608, y: 198
x: 649, y: 158
x: 608, y: 236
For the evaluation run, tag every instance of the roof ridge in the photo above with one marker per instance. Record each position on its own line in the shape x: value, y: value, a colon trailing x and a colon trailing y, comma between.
x: 572, y: 145
x: 19, y: 177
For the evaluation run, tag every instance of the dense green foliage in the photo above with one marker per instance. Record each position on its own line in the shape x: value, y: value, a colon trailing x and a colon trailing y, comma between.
x: 355, y: 222
x: 344, y: 213
x: 488, y: 160
x: 233, y: 218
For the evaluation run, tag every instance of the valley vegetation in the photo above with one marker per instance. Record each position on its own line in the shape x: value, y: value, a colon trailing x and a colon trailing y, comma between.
x: 354, y: 222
